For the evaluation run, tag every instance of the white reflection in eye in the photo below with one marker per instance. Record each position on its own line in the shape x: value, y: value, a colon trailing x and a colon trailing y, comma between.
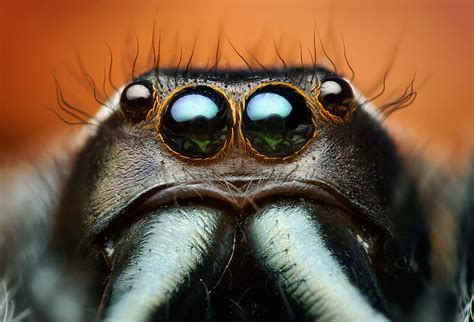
x: 330, y: 87
x: 191, y: 106
x: 263, y: 105
x: 137, y: 91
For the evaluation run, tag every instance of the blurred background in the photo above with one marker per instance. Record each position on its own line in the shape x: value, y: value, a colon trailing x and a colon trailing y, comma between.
x: 431, y: 39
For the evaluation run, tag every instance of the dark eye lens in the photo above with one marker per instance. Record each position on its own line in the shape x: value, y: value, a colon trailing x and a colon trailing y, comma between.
x: 336, y: 96
x: 277, y: 121
x: 197, y: 122
x: 137, y: 100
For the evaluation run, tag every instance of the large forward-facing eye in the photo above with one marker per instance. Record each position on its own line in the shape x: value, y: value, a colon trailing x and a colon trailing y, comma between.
x: 197, y: 122
x: 137, y: 100
x: 277, y: 121
x: 336, y: 96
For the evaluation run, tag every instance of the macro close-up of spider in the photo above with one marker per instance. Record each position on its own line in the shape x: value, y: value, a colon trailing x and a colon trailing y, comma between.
x: 241, y: 161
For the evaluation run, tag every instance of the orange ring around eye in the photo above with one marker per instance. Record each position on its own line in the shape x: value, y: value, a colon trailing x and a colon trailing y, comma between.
x: 248, y: 145
x: 325, y: 114
x: 158, y: 110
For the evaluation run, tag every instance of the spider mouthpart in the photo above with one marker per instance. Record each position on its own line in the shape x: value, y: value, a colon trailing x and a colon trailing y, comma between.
x: 336, y: 97
x: 196, y: 122
x: 137, y: 100
x: 277, y: 121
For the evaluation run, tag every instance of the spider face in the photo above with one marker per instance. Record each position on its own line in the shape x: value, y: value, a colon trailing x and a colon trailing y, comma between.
x: 257, y: 196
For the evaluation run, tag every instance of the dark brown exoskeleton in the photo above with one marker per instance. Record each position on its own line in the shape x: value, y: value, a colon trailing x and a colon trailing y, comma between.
x: 238, y: 196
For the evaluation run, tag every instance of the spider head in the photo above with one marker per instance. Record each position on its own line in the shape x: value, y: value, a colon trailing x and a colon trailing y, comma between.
x: 274, y: 195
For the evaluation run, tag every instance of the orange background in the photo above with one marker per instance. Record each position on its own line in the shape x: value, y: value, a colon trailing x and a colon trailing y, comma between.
x: 433, y: 39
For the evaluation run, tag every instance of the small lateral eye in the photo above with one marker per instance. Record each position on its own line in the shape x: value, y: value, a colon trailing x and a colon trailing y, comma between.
x: 277, y: 121
x: 336, y: 96
x: 137, y: 100
x: 197, y: 122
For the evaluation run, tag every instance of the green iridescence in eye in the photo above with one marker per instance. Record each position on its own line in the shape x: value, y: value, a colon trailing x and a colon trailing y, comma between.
x: 198, y: 124
x: 272, y: 142
x: 202, y: 144
x: 277, y: 123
